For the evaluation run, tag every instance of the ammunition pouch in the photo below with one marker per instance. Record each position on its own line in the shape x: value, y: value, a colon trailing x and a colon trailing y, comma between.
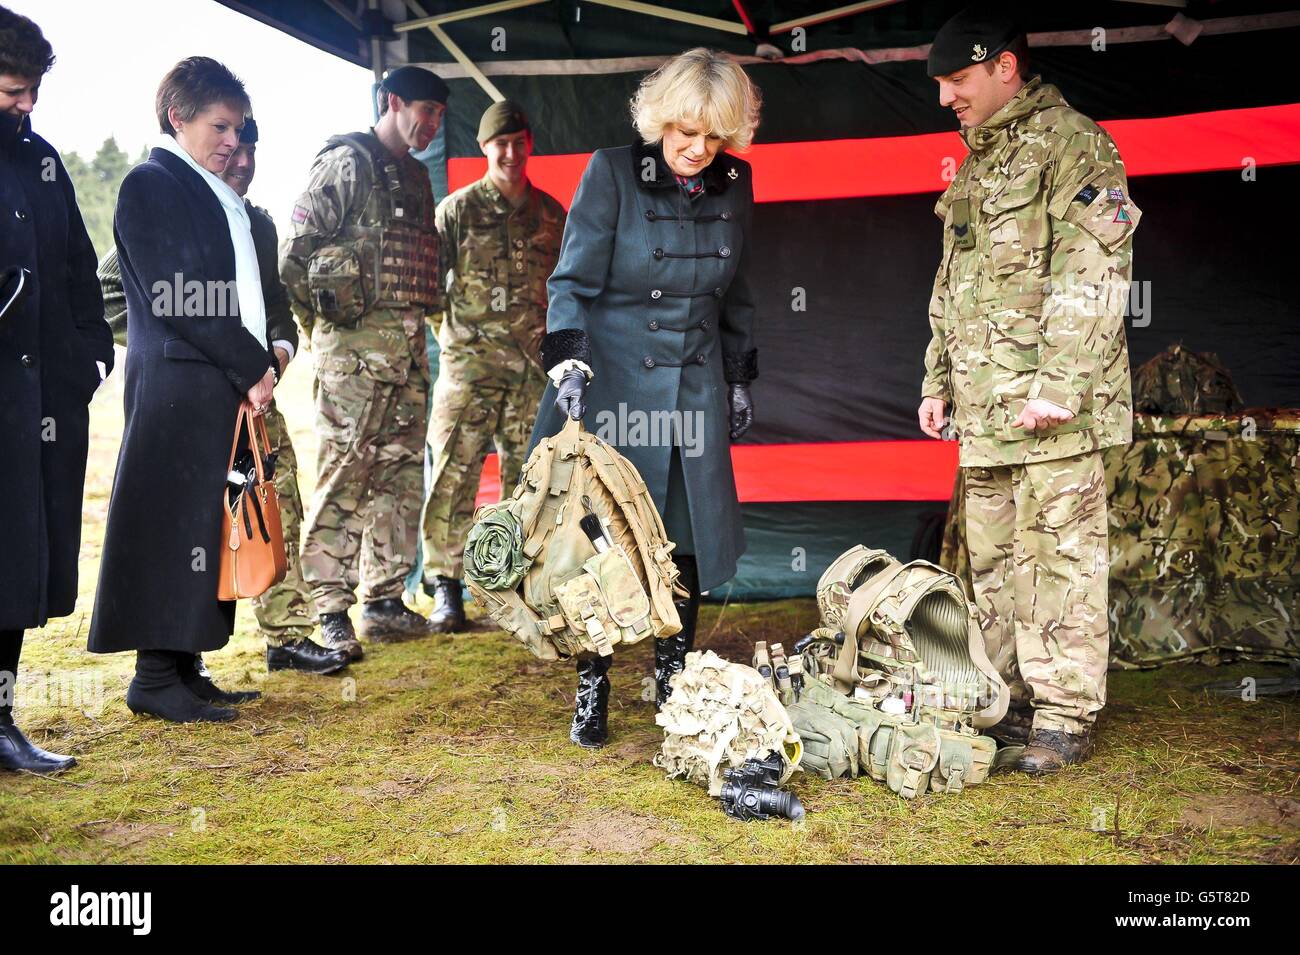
x: 911, y: 758
x: 337, y: 283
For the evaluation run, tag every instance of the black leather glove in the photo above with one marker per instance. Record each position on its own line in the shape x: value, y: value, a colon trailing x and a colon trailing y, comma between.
x: 742, y: 410
x: 571, y: 394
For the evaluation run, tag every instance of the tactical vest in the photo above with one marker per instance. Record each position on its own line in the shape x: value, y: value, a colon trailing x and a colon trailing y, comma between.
x: 576, y: 561
x: 388, y: 244
x: 899, y: 658
x: 719, y: 715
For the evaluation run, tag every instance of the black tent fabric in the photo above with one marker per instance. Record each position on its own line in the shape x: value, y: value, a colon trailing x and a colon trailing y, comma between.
x: 1209, y: 258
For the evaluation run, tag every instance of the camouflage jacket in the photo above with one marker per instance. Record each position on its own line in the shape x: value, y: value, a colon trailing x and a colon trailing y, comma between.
x: 1031, y: 290
x: 279, y: 319
x: 361, y: 259
x: 497, y: 259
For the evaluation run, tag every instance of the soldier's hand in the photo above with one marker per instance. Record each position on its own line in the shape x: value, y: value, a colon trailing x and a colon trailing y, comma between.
x: 742, y: 410
x: 1039, y: 414
x: 571, y: 394
x: 930, y: 415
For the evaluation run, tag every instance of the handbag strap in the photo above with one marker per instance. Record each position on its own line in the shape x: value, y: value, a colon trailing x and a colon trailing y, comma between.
x: 256, y: 429
x: 234, y: 442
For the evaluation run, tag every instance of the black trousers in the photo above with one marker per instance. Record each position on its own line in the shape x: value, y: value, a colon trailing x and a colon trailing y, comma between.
x: 11, y: 648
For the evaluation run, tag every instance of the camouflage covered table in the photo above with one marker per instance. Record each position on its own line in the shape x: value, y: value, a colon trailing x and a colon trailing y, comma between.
x: 1204, y: 525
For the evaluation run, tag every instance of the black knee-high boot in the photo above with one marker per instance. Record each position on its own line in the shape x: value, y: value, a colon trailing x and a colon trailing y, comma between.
x: 17, y: 752
x: 591, y: 705
x: 157, y: 690
x: 670, y: 652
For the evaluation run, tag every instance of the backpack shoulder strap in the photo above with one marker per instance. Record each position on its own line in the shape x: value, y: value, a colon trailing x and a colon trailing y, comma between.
x: 861, y: 603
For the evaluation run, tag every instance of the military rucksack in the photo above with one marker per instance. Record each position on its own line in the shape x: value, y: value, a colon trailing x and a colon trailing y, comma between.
x: 719, y: 715
x: 900, y: 656
x: 559, y: 588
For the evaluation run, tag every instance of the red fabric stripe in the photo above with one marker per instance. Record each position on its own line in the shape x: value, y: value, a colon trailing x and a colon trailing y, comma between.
x: 826, y: 471
x: 897, y: 165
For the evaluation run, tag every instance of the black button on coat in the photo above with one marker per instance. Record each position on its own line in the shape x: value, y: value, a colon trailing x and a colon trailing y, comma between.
x: 632, y: 232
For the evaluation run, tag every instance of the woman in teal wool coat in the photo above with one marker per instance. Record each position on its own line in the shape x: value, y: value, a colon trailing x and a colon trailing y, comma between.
x: 651, y: 311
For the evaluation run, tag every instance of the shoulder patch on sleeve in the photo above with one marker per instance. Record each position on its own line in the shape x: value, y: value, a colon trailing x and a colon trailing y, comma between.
x: 300, y: 214
x: 1104, y: 212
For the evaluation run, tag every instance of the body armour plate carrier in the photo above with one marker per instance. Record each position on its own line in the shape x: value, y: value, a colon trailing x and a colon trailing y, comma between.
x: 393, y: 236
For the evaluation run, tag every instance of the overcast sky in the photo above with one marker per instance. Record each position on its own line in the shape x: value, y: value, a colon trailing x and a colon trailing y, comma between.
x: 111, y: 54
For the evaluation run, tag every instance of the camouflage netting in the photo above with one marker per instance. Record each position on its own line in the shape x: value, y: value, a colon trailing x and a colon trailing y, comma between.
x: 1204, y: 539
x: 719, y: 715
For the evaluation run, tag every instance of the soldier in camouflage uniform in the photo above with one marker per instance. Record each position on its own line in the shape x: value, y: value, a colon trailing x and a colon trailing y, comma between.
x: 284, y: 614
x: 500, y: 242
x: 1029, y: 351
x: 361, y: 265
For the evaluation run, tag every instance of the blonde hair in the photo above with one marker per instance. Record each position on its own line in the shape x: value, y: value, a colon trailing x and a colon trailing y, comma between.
x: 699, y: 87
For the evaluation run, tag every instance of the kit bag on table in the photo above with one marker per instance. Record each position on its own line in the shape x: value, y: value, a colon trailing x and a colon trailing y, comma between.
x: 541, y: 576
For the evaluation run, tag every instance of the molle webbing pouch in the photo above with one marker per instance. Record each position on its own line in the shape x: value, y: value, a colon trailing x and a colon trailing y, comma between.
x: 911, y: 758
x: 547, y: 581
x: 338, y: 285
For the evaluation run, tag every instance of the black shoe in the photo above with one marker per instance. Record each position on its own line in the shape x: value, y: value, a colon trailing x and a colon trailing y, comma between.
x: 196, y: 677
x: 448, y: 608
x: 175, y: 703
x: 18, y: 753
x: 390, y: 619
x: 590, y: 727
x: 1051, y: 750
x: 337, y: 634
x: 307, y: 657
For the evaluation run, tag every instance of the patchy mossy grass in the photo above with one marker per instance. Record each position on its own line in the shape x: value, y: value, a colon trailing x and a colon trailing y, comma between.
x: 455, y: 749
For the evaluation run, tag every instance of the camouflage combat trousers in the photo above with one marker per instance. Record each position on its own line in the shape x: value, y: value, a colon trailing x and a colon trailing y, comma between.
x: 365, y: 516
x: 473, y: 408
x: 284, y: 613
x: 1039, y: 567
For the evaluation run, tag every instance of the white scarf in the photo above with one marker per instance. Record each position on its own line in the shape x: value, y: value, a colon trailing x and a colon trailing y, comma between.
x: 248, y: 277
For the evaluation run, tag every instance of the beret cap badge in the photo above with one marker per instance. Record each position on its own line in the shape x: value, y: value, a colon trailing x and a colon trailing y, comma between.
x: 978, y: 53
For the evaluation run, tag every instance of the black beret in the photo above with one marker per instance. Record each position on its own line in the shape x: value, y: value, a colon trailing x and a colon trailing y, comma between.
x: 414, y: 82
x: 976, y: 35
x: 248, y: 135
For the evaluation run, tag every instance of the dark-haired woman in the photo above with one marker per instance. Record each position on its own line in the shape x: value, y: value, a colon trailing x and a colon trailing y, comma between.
x: 55, y: 349
x: 197, y: 349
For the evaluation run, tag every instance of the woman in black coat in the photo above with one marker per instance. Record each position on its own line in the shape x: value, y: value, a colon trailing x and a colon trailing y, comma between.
x: 651, y: 311
x: 192, y: 358
x: 55, y: 349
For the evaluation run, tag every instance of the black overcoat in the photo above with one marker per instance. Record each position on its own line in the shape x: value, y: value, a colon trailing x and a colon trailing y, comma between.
x: 652, y: 292
x: 49, y: 344
x: 187, y: 370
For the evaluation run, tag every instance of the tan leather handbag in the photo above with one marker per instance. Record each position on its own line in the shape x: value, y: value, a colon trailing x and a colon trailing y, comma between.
x: 252, y: 540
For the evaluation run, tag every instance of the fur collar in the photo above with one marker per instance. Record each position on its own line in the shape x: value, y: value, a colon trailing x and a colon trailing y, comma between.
x: 716, y: 178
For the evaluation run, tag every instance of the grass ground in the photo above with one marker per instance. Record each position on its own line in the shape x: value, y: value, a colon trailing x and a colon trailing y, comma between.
x: 455, y: 749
